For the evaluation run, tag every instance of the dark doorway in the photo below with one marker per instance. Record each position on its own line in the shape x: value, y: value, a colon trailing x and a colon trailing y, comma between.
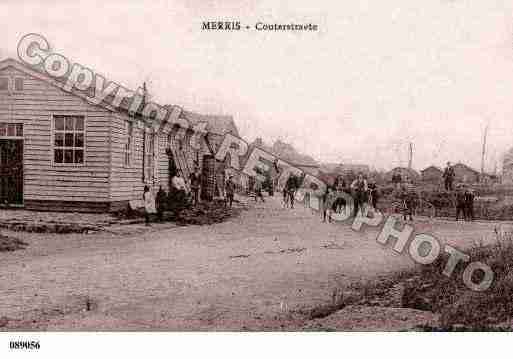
x: 11, y: 172
x: 208, y: 178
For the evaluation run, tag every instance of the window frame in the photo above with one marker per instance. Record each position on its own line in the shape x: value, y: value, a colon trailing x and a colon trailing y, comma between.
x: 149, y: 137
x: 52, y: 139
x: 14, y: 90
x: 15, y: 137
x: 129, y: 144
x: 8, y: 90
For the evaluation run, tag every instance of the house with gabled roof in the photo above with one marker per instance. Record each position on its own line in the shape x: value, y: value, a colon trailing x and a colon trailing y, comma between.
x: 60, y: 152
x: 431, y: 174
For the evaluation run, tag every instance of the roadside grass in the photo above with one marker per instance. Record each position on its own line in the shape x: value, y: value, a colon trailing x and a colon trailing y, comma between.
x: 426, y: 288
x: 459, y: 307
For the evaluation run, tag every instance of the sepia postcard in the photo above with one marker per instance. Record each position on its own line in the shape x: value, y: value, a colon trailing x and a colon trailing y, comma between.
x: 255, y: 166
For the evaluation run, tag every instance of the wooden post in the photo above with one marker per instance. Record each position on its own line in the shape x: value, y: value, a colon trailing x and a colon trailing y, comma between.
x: 410, y: 157
x: 483, y: 152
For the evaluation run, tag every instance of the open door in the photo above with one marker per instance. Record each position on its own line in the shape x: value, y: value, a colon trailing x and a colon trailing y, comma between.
x: 11, y: 171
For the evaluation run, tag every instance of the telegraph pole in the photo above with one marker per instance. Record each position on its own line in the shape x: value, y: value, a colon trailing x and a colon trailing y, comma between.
x: 410, y: 156
x: 483, y: 152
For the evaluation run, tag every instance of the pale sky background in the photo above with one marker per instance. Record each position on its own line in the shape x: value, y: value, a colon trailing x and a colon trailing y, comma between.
x: 377, y: 75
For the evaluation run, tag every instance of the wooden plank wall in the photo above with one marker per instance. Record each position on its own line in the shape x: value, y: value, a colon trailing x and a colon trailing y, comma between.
x: 44, y: 181
x: 126, y: 181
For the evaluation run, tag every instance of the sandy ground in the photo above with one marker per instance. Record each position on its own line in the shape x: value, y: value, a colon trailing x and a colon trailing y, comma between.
x: 244, y: 274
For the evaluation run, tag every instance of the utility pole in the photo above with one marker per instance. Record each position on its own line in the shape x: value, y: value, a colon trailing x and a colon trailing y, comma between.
x: 410, y: 156
x: 145, y: 94
x: 483, y: 153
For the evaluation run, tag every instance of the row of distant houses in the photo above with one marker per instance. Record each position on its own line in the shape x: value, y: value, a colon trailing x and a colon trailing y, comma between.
x: 434, y: 175
x: 60, y: 152
x: 431, y: 174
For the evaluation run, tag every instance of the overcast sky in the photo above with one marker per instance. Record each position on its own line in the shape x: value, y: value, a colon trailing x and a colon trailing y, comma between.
x: 377, y: 75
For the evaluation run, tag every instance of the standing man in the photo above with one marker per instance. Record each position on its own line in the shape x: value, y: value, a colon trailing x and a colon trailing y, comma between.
x: 469, y: 204
x: 160, y: 201
x: 258, y: 190
x: 180, y: 187
x: 373, y: 194
x: 460, y: 203
x: 448, y: 177
x: 290, y: 188
x: 230, y: 190
x: 328, y: 204
x: 195, y: 179
x: 360, y: 188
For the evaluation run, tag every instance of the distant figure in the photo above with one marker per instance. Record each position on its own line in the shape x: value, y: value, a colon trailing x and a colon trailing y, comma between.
x: 340, y: 190
x: 460, y: 203
x: 230, y: 190
x: 160, y: 200
x: 270, y: 185
x: 469, y: 204
x: 373, y: 195
x: 448, y: 177
x: 149, y: 205
x: 290, y: 189
x: 307, y: 198
x: 258, y: 190
x: 180, y: 188
x: 328, y: 201
x: 195, y: 179
x: 397, y: 180
x: 359, y: 187
x: 409, y: 198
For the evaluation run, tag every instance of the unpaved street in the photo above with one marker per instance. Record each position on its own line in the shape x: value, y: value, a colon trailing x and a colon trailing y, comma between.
x: 241, y: 274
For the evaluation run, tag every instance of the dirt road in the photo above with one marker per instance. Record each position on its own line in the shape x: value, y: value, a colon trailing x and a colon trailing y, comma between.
x: 242, y: 274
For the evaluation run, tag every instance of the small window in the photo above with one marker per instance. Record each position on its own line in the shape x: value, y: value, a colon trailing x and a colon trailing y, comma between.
x: 11, y: 130
x: 18, y: 84
x: 69, y: 141
x: 4, y: 84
